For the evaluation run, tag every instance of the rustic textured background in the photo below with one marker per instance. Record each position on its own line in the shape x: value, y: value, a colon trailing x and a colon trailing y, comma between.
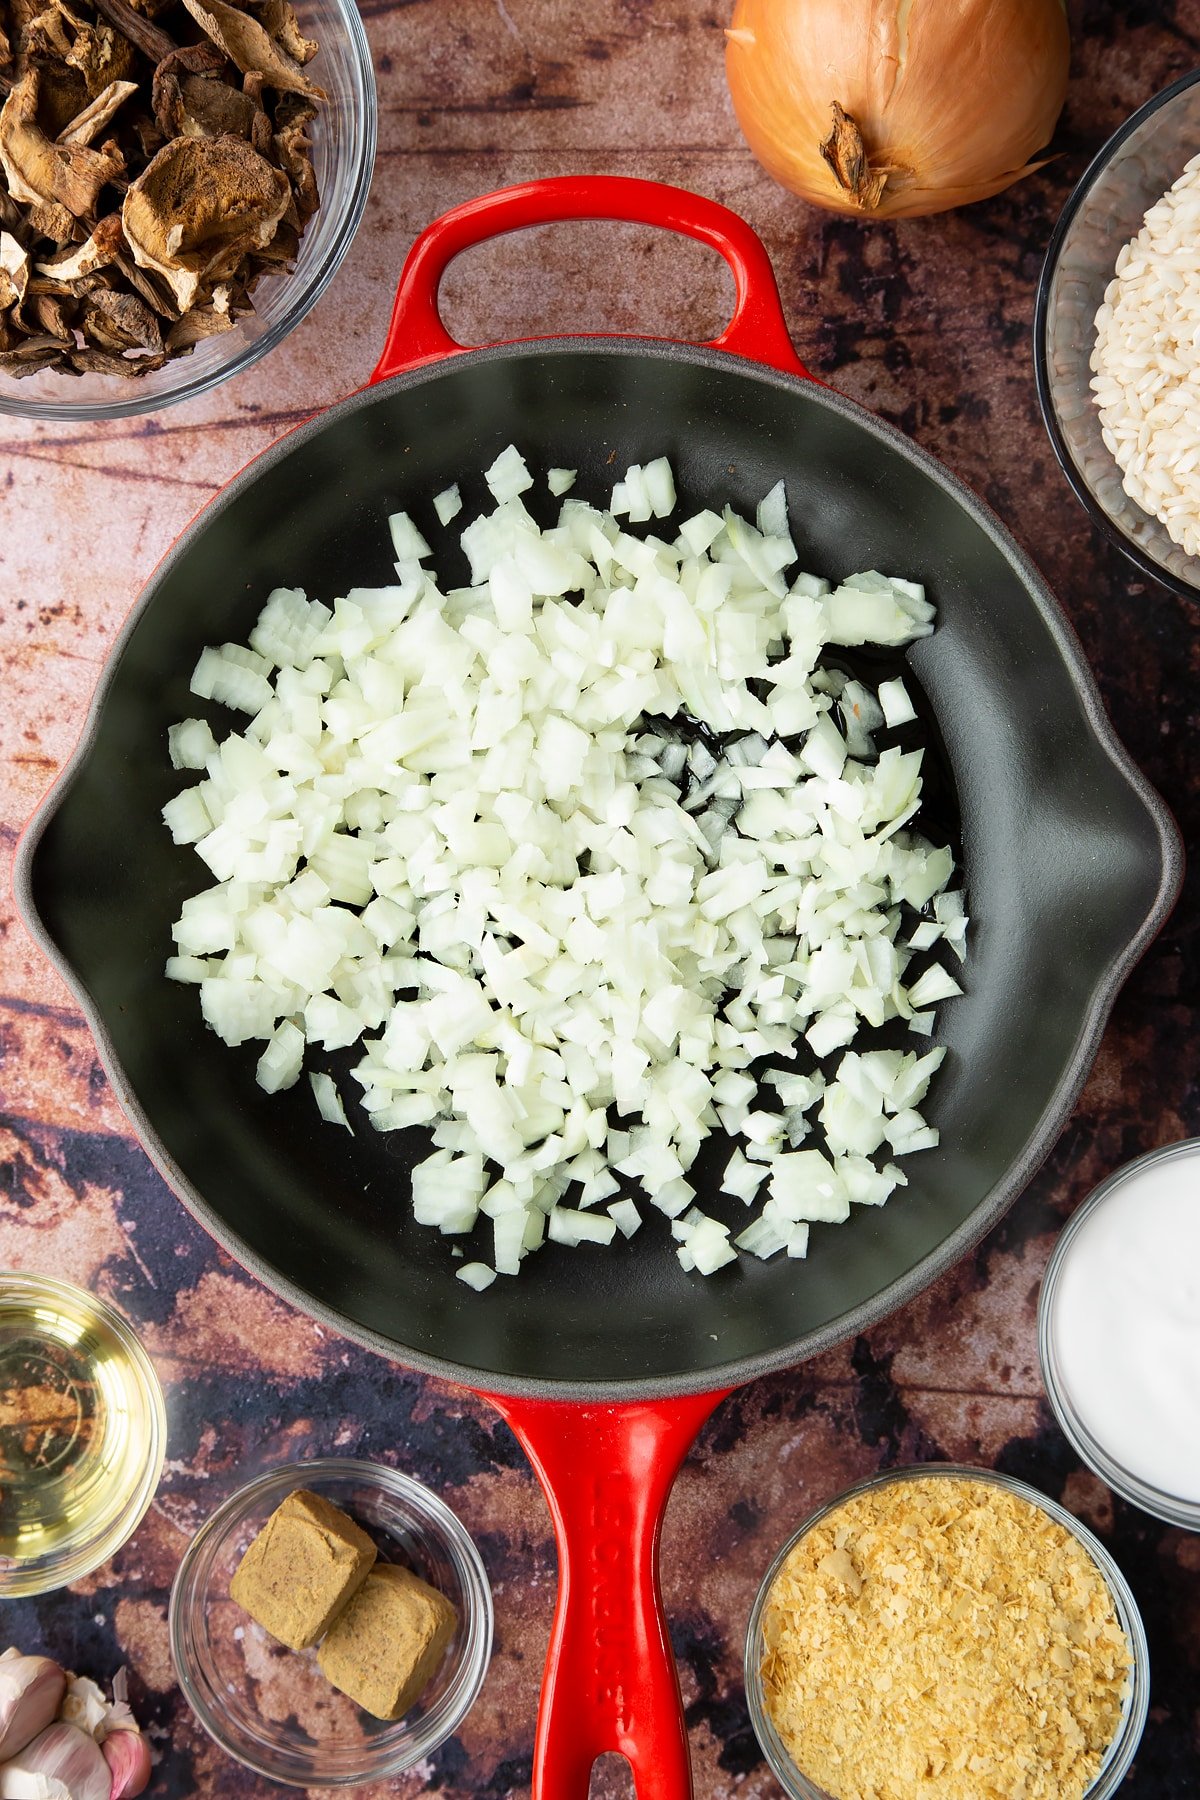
x: 928, y: 323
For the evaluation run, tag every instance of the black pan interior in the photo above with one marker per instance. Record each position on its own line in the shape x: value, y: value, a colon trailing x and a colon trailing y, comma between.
x: 1070, y: 863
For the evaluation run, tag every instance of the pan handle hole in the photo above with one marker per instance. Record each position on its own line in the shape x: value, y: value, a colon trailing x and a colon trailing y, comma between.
x: 596, y: 275
x: 612, y: 1778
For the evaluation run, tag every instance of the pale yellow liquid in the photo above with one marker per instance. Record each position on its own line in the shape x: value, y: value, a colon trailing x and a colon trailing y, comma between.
x: 76, y: 1431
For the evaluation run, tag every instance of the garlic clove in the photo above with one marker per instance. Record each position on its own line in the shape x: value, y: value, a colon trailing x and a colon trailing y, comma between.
x: 128, y: 1756
x: 31, y: 1691
x: 20, y: 1784
x: 62, y: 1763
x: 84, y: 1705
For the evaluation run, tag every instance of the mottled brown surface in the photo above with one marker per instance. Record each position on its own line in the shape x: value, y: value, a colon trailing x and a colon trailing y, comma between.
x: 927, y: 322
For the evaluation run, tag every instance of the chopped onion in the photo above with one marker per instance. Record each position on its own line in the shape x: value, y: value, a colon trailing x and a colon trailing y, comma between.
x: 570, y: 1227
x: 508, y: 475
x: 448, y: 504
x: 280, y: 1064
x: 407, y: 541
x: 329, y: 1101
x: 476, y: 1275
x: 934, y: 985
x: 190, y: 744
x: 625, y: 1216
x: 898, y: 709
x: 563, y: 857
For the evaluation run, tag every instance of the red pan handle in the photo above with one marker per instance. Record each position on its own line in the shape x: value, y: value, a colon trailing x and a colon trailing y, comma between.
x: 757, y: 329
x: 610, y: 1681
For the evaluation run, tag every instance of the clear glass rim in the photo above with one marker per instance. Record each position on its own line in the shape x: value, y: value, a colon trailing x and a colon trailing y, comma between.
x: 1124, y: 1745
x: 1099, y: 516
x: 1169, y: 1507
x: 77, y: 1558
x: 452, y: 1706
x: 308, y: 290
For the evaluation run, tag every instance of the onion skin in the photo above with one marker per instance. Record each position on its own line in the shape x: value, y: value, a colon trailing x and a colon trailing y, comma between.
x: 887, y: 109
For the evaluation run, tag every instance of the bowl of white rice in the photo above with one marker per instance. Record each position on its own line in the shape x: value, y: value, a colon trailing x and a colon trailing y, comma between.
x: 1117, y: 337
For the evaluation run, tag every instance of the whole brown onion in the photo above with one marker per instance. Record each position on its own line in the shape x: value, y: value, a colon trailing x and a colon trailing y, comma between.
x: 889, y: 108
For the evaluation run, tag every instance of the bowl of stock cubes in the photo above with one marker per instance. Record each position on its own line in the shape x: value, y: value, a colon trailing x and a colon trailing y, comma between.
x: 331, y: 1623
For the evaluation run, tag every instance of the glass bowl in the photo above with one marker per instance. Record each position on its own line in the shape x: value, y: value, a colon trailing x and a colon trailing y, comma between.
x: 1073, y: 1411
x: 343, y: 150
x: 271, y: 1708
x: 1137, y: 165
x: 82, y: 1434
x: 1137, y: 1697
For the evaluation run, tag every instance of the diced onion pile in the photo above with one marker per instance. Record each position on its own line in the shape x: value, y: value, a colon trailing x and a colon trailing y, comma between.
x: 569, y: 853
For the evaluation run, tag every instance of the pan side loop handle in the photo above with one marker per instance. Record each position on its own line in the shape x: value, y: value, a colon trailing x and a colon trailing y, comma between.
x: 757, y: 329
x: 610, y: 1682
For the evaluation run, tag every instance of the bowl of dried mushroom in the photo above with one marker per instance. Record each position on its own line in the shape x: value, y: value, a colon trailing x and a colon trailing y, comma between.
x: 179, y: 181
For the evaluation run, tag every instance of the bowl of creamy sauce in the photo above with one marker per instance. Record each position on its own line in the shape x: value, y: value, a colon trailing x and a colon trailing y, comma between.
x: 1119, y: 1332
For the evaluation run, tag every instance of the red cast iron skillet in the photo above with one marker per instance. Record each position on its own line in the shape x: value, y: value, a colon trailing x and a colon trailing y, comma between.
x: 605, y: 1364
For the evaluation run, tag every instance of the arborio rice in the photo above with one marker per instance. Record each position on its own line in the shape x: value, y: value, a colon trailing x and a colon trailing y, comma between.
x: 1146, y: 362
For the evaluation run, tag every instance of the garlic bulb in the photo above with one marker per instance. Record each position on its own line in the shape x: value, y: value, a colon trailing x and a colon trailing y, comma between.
x: 31, y: 1691
x: 889, y: 108
x: 62, y: 1763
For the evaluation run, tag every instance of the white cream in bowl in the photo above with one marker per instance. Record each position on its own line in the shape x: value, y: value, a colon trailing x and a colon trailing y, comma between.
x: 1120, y: 1331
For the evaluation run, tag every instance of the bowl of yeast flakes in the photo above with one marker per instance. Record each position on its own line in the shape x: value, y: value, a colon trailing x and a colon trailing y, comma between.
x: 946, y: 1633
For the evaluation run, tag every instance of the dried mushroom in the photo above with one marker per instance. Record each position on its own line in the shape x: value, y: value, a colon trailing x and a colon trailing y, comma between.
x: 202, y: 322
x: 43, y: 172
x: 191, y: 100
x: 293, y: 146
x: 65, y: 42
x: 120, y: 323
x: 98, y: 113
x: 202, y: 207
x: 250, y: 46
x: 30, y: 355
x: 14, y: 272
x: 155, y: 164
x: 281, y: 22
x: 49, y: 310
x: 98, y: 251
x: 140, y: 32
x: 50, y: 220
